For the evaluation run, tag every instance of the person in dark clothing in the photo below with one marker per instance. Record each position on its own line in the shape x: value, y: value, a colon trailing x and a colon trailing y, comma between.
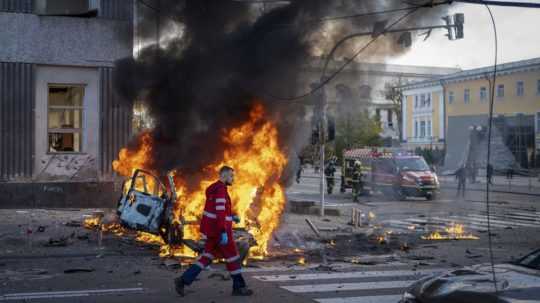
x: 329, y: 173
x: 357, y: 180
x: 461, y: 176
x: 489, y: 174
x: 510, y: 172
x: 299, y: 172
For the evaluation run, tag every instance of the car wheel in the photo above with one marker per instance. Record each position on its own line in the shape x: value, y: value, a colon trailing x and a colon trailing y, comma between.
x: 431, y: 197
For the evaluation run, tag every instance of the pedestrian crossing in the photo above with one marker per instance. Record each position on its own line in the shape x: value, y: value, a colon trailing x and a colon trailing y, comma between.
x: 470, y: 221
x: 374, y: 286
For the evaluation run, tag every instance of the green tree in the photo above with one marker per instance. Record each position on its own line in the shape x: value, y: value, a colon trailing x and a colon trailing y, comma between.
x: 356, y: 130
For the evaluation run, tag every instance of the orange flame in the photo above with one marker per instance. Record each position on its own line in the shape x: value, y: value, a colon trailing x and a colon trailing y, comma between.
x: 452, y: 232
x: 258, y: 197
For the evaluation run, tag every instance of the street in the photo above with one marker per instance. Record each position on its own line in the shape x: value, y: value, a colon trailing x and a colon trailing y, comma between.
x: 124, y: 271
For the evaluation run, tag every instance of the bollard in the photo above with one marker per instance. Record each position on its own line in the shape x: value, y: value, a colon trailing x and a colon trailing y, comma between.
x: 99, y: 215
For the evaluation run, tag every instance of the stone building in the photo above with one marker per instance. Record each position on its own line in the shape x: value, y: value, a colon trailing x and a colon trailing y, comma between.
x: 61, y: 123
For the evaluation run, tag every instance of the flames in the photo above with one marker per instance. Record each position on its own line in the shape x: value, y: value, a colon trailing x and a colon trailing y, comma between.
x: 258, y: 197
x: 452, y: 232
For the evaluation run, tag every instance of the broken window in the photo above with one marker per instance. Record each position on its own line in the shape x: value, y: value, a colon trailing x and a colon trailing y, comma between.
x: 67, y: 7
x: 65, y: 115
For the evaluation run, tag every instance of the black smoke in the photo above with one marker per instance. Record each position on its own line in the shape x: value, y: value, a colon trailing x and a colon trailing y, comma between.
x: 227, y: 55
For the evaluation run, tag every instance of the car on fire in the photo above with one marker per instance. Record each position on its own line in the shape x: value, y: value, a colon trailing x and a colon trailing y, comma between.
x: 517, y: 281
x: 147, y: 204
x: 394, y: 172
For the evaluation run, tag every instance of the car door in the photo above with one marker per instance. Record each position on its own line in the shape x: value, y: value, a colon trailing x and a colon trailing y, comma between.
x: 142, y: 207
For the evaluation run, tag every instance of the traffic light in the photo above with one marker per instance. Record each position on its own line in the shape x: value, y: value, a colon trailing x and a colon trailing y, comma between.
x: 405, y: 39
x: 315, y: 135
x: 331, y: 128
x: 454, y: 25
x: 459, y: 20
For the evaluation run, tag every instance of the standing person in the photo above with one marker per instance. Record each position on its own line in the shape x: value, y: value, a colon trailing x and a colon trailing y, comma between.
x: 357, y: 180
x: 329, y: 173
x: 461, y: 176
x: 299, y: 172
x: 490, y: 174
x: 510, y: 172
x: 216, y: 227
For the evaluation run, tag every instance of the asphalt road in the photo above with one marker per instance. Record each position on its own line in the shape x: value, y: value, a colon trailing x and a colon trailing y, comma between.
x: 121, y: 277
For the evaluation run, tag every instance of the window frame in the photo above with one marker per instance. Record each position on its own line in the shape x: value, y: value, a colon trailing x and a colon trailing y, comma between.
x: 538, y: 87
x: 467, y: 96
x: 80, y: 130
x: 423, y: 129
x: 451, y: 97
x: 483, y: 97
x: 520, y: 88
x: 500, y: 88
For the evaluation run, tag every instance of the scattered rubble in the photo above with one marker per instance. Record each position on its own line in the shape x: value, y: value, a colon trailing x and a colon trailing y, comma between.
x: 78, y: 270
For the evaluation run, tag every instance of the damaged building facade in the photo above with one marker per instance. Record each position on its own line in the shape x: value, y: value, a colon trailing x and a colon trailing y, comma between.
x: 61, y: 123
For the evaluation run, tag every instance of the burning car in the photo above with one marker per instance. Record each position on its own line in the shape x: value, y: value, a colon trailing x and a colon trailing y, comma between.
x: 517, y: 281
x: 148, y: 205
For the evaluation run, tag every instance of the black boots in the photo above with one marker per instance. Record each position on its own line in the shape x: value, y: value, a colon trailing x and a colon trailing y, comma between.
x: 242, y: 292
x: 179, y: 286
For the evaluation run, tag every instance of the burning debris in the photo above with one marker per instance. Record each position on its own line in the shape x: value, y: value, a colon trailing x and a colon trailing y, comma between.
x: 453, y: 232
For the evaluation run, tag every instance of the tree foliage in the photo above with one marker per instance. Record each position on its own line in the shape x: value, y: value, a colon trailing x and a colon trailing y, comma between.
x: 356, y: 130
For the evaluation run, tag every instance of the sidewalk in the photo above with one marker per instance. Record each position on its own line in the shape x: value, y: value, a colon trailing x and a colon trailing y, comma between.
x: 518, y: 185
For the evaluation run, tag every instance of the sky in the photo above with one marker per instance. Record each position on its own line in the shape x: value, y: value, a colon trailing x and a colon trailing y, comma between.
x: 518, y: 32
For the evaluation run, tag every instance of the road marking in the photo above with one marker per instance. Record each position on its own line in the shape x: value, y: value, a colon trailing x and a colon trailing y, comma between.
x: 347, y: 275
x: 366, y: 299
x: 506, y: 222
x: 66, y: 294
x: 335, y: 287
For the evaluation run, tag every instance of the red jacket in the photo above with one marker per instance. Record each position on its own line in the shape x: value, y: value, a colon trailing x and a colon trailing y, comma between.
x: 217, y: 215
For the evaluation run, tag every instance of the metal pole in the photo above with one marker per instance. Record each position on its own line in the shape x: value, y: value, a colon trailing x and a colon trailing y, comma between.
x: 323, y: 139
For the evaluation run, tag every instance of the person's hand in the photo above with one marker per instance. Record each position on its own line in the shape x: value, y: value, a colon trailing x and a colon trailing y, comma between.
x: 224, y: 239
x: 236, y: 219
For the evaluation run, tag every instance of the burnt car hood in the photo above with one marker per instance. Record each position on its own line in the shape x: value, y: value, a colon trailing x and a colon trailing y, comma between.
x: 475, y: 284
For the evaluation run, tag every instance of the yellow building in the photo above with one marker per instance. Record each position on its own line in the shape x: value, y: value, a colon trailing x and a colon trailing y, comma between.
x: 423, y: 115
x: 460, y: 110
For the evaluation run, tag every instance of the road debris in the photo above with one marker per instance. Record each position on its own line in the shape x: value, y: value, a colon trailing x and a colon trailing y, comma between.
x: 60, y: 242
x: 74, y: 223
x: 78, y: 270
x: 313, y: 228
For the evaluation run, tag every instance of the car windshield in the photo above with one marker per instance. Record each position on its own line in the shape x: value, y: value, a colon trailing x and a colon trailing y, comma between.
x: 412, y: 164
x: 531, y: 261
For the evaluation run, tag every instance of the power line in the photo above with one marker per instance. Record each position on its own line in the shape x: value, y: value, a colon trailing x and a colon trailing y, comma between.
x: 490, y: 126
x: 501, y: 3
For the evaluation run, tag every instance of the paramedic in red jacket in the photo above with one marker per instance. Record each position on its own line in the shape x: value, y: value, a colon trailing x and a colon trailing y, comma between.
x: 216, y: 229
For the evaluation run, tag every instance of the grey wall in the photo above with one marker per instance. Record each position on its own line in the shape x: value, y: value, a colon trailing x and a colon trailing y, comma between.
x: 16, y: 6
x: 64, y: 40
x: 115, y: 125
x: 112, y: 9
x: 16, y: 120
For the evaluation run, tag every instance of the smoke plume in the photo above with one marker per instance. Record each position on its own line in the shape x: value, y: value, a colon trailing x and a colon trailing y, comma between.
x: 225, y: 55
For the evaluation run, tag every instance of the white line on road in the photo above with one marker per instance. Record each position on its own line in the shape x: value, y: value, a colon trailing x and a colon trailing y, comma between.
x: 398, y: 285
x: 66, y: 294
x: 346, y: 275
x: 506, y: 222
x: 367, y: 299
